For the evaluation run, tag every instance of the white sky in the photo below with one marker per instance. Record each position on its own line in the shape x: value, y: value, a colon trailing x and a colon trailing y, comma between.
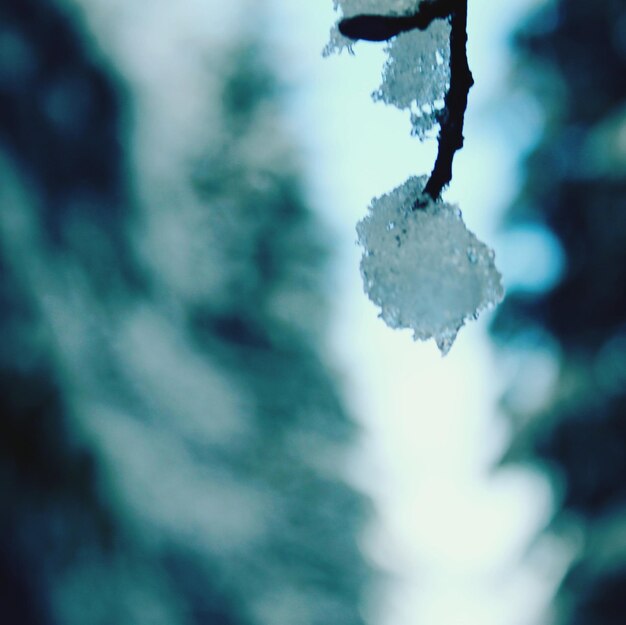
x: 452, y: 534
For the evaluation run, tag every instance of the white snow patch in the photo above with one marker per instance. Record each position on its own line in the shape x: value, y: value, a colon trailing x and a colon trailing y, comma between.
x: 416, y: 75
x: 423, y: 267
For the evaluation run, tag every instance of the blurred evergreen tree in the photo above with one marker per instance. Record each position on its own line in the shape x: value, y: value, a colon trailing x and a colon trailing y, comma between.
x: 172, y: 439
x: 572, y: 55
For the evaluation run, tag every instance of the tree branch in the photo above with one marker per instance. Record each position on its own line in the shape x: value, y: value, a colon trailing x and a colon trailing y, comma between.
x: 383, y: 27
x: 452, y: 116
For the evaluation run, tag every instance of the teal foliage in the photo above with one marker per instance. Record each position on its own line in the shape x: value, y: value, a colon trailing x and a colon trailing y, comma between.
x: 172, y: 435
x: 572, y: 58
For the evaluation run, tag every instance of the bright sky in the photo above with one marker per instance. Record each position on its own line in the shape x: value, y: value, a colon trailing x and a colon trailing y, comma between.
x: 451, y: 533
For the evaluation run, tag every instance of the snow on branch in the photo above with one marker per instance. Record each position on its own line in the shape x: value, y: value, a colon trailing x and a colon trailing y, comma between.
x: 421, y: 265
x: 451, y: 117
x: 384, y: 27
x: 424, y: 268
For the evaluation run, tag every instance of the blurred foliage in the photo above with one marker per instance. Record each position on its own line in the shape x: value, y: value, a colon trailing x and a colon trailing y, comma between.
x: 572, y: 58
x: 172, y: 439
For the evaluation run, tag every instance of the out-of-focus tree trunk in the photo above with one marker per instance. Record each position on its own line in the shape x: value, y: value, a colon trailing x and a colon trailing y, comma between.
x: 572, y: 56
x: 171, y: 436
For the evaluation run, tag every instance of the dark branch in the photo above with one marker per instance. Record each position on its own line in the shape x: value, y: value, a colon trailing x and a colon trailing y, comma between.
x: 452, y: 116
x: 383, y: 27
x: 375, y: 27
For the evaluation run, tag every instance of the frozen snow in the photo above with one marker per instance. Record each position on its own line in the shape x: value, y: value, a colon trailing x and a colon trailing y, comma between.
x: 423, y: 267
x: 416, y: 74
x: 349, y: 8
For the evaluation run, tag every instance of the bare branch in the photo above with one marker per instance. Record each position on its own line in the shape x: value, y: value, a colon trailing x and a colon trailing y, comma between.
x: 383, y: 27
x: 452, y: 116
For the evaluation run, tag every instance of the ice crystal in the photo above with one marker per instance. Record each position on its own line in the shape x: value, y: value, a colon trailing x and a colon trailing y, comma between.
x: 349, y: 8
x: 423, y: 267
x: 416, y: 74
x: 386, y: 7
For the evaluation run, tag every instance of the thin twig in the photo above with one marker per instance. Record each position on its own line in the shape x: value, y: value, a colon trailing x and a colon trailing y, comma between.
x: 452, y: 116
x: 383, y: 27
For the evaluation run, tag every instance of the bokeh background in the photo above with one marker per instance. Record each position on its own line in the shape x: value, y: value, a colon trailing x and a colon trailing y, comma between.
x: 202, y: 420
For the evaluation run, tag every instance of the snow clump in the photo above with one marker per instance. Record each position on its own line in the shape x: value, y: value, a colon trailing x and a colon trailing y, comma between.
x: 416, y: 74
x: 423, y: 267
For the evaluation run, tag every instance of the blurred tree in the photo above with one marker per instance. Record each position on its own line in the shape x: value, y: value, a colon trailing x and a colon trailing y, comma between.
x: 572, y: 56
x: 171, y: 437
